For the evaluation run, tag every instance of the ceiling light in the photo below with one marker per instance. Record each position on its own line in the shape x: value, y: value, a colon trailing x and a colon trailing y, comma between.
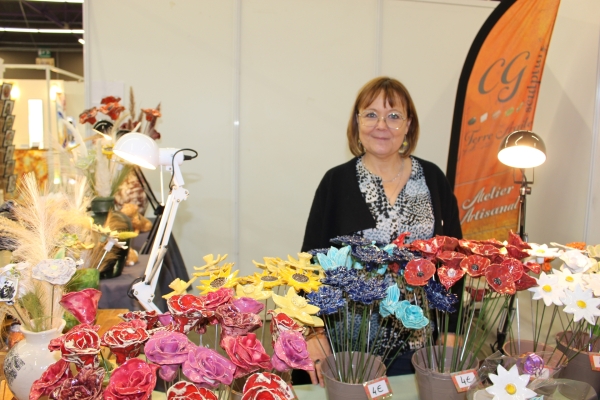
x: 31, y: 30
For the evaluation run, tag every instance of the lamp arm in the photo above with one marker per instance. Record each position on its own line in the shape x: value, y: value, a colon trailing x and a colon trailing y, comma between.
x: 144, y: 289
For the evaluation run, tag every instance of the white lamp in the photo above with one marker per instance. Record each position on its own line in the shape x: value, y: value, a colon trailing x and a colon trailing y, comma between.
x: 142, y: 150
x: 522, y: 149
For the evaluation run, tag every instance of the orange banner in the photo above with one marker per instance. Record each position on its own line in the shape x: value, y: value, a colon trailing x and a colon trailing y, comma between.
x: 497, y: 95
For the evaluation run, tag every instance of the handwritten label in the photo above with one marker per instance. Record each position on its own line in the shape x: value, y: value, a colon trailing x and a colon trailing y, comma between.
x: 378, y: 389
x: 595, y: 361
x: 463, y: 379
x: 537, y: 398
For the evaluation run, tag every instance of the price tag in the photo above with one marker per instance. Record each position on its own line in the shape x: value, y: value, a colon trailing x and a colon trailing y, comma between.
x: 537, y: 398
x: 290, y: 394
x: 463, y: 379
x: 595, y: 361
x: 378, y: 389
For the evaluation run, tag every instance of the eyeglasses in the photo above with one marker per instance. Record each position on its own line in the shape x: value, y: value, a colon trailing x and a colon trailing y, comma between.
x: 393, y: 120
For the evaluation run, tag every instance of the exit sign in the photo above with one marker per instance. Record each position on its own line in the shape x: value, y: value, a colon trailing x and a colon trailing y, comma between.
x: 44, y: 53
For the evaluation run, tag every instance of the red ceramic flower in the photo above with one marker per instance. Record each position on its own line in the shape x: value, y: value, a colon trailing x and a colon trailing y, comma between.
x: 80, y: 345
x: 532, y: 266
x: 113, y: 110
x: 467, y: 246
x: 444, y: 243
x: 418, y: 272
x: 50, y: 379
x: 87, y: 385
x: 149, y: 317
x: 247, y: 353
x: 475, y: 265
x: 449, y: 275
x: 290, y: 352
x: 110, y: 99
x: 451, y: 259
x: 134, y: 380
x: 266, y: 386
x: 126, y: 339
x: 500, y: 279
x: 486, y: 250
x: 425, y: 247
x: 515, y: 252
x: 525, y: 282
x: 188, y: 391
x: 515, y: 240
x: 399, y: 241
x: 211, y: 301
x: 235, y: 323
x: 151, y: 113
x: 493, y: 242
x: 281, y: 322
x: 83, y: 304
x: 515, y: 267
x: 88, y: 116
x: 186, y: 311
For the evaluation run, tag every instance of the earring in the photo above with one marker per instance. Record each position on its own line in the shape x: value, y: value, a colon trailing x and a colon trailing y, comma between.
x: 360, y: 146
x: 404, y: 147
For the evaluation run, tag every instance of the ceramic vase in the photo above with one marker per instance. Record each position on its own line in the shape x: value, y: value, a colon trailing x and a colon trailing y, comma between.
x: 579, y: 367
x: 29, y: 358
x: 333, y: 368
x: 432, y: 384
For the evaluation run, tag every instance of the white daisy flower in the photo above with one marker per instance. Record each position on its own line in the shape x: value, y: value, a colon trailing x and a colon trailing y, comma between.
x: 568, y: 279
x: 582, y: 304
x: 576, y: 262
x: 592, y: 282
x: 542, y: 251
x: 509, y: 385
x: 548, y: 289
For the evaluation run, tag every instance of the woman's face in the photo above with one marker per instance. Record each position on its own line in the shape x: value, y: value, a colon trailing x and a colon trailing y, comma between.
x: 380, y: 140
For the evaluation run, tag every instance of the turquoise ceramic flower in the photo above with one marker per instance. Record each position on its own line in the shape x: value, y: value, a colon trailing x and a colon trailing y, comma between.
x: 411, y: 316
x: 335, y: 258
x: 389, y: 305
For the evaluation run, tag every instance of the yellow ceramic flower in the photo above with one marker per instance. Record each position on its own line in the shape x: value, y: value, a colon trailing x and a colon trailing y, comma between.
x: 255, y: 292
x: 303, y: 262
x: 179, y: 287
x: 300, y: 279
x: 211, y: 266
x: 272, y: 264
x: 223, y: 279
x: 297, y: 307
x: 267, y: 279
x: 104, y: 231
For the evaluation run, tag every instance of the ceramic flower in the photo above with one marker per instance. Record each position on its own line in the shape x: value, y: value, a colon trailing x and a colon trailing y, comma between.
x: 540, y: 252
x: 389, y: 305
x: 133, y: 380
x: 88, y: 116
x: 207, y: 367
x: 80, y: 345
x: 188, y: 391
x: 500, y: 279
x: 151, y: 113
x: 87, y: 385
x: 247, y: 353
x: 335, y: 258
x: 367, y: 291
x: 300, y: 279
x: 427, y: 249
x: 341, y: 277
x: 449, y: 275
x: 186, y: 311
x: 149, y: 317
x: 582, y: 304
x: 280, y: 322
x: 271, y: 265
x: 290, y: 352
x: 50, y: 379
x: 592, y: 282
x: 248, y: 305
x: 297, y: 307
x: 112, y: 110
x: 509, y: 385
x: 451, y: 259
x: 223, y: 279
x: 372, y: 257
x: 439, y: 298
x: 55, y: 271
x: 268, y: 279
x: 568, y: 279
x: 576, y: 262
x: 266, y: 386
x: 211, y: 266
x: 411, y: 315
x: 327, y: 298
x: 126, y: 339
x: 83, y: 304
x: 525, y: 282
x: 179, y: 287
x: 234, y: 322
x: 302, y: 263
x: 252, y: 291
x: 418, y: 272
x: 169, y: 350
x: 548, y: 289
x: 475, y: 265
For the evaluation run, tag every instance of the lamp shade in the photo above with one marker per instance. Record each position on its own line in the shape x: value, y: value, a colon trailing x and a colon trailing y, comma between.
x: 522, y: 149
x: 138, y: 149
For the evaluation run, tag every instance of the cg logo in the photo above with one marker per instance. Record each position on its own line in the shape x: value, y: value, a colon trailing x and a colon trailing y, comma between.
x: 510, y: 77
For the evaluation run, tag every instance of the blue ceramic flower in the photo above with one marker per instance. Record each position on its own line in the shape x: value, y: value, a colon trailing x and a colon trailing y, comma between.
x: 327, y: 298
x: 340, y: 277
x: 352, y: 240
x: 411, y: 315
x: 388, y: 305
x: 372, y: 257
x: 366, y: 291
x: 335, y: 258
x: 439, y: 298
x: 314, y: 252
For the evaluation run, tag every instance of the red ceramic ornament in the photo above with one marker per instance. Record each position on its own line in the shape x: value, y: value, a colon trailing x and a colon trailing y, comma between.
x: 525, y: 282
x: 83, y: 304
x: 451, y: 259
x: 475, y: 265
x: 515, y: 267
x: 444, y: 243
x: 266, y: 385
x: 418, y: 272
x: 532, y: 266
x: 500, y: 279
x: 449, y: 276
x: 188, y: 391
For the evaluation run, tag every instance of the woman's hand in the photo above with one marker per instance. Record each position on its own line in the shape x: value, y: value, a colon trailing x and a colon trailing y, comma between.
x: 318, y: 349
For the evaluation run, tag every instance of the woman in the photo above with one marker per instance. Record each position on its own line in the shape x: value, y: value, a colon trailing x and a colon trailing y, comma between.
x: 384, y: 190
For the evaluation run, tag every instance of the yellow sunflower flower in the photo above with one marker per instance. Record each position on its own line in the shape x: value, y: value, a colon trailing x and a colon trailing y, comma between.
x: 179, y: 287
x: 223, y: 279
x: 272, y: 264
x: 296, y: 307
x: 300, y: 279
x: 211, y: 266
x: 255, y: 292
x: 303, y: 262
x: 267, y: 279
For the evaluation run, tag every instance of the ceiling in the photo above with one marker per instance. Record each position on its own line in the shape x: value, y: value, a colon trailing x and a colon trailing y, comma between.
x: 40, y: 15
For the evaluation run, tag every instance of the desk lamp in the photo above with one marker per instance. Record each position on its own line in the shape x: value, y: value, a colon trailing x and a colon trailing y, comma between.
x: 141, y: 150
x: 520, y: 149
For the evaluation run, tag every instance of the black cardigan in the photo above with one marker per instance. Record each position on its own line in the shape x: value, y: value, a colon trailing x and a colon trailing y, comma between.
x: 340, y: 209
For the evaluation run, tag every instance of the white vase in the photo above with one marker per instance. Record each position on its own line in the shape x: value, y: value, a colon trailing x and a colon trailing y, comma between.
x: 29, y: 358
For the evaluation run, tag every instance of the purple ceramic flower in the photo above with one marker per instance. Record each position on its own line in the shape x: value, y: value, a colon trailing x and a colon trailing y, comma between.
x: 235, y: 323
x: 169, y: 350
x: 290, y: 352
x: 207, y: 367
x: 248, y: 305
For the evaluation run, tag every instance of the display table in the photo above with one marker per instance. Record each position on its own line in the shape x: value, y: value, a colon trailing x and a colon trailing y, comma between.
x: 403, y: 387
x: 114, y: 290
